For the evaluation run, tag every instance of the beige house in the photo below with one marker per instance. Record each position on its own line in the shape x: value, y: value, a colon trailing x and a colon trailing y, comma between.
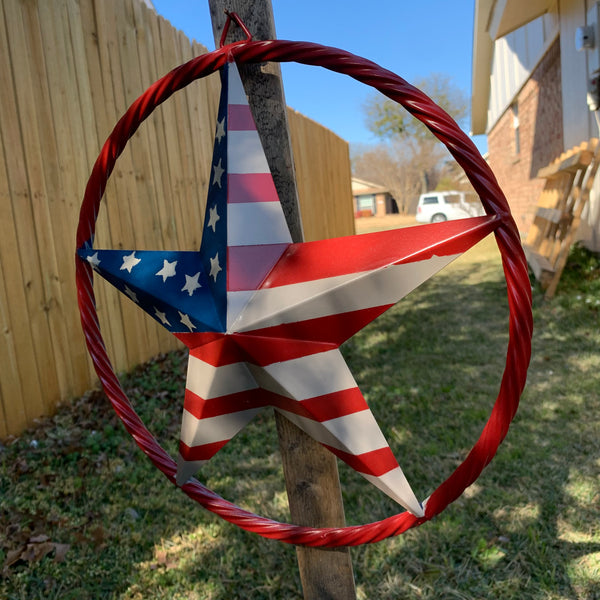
x: 532, y: 62
x: 372, y: 199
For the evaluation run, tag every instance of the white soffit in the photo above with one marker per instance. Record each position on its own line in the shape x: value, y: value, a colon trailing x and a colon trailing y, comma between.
x: 508, y: 15
x: 482, y: 61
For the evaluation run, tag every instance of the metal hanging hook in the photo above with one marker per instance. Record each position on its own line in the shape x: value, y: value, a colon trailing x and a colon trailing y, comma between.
x: 233, y: 16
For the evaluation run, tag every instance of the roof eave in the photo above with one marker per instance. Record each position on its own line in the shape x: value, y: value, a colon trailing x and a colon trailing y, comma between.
x: 482, y: 65
x: 494, y: 19
x: 508, y: 15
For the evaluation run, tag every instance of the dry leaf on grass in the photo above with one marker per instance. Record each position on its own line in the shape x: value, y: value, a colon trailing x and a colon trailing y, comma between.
x: 36, y: 548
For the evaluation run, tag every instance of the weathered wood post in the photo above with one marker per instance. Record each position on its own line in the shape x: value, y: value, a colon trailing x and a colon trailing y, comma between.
x: 310, y: 470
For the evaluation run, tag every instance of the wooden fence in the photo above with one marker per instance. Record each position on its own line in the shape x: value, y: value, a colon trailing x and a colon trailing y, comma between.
x: 68, y: 70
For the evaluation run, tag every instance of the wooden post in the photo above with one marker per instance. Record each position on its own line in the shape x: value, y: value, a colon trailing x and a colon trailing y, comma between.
x: 311, y: 475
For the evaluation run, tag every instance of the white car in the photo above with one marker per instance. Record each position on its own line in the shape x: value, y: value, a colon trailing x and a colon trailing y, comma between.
x: 435, y: 207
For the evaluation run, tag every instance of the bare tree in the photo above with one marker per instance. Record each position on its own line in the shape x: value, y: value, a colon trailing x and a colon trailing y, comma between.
x: 420, y: 159
x: 389, y: 166
x: 389, y: 120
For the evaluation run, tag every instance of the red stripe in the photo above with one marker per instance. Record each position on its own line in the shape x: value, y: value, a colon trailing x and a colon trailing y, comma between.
x: 353, y: 254
x: 257, y: 350
x: 334, y: 405
x: 221, y: 352
x: 224, y: 405
x: 247, y: 266
x: 240, y: 118
x: 251, y: 187
x: 195, y: 340
x: 376, y: 463
x: 281, y: 342
x: 332, y: 329
x: 218, y: 351
x: 321, y: 408
x: 204, y: 452
x: 264, y: 351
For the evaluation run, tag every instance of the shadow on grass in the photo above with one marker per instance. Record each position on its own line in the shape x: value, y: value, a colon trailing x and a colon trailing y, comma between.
x: 529, y: 527
x: 430, y: 369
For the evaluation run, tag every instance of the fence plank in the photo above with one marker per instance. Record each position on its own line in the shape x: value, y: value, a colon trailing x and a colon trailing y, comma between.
x: 130, y: 235
x: 32, y: 108
x: 59, y: 167
x: 24, y: 48
x: 58, y: 221
x: 166, y: 61
x: 147, y: 69
x: 140, y: 202
x: 154, y: 201
x: 40, y: 361
x: 16, y: 345
x: 88, y: 133
x: 325, y: 196
x: 197, y: 187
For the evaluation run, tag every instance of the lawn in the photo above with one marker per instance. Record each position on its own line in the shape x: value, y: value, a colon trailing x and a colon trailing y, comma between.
x: 84, y: 515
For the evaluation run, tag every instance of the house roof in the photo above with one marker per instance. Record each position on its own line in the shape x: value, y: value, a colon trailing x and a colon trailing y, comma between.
x: 494, y: 19
x: 362, y: 186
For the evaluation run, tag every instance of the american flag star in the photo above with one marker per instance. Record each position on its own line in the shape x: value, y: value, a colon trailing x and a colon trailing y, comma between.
x: 264, y: 317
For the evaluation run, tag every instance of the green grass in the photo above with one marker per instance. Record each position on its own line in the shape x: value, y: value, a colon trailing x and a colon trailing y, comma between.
x: 529, y: 528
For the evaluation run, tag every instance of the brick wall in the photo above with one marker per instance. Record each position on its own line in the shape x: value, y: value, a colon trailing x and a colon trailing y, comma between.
x: 540, y: 138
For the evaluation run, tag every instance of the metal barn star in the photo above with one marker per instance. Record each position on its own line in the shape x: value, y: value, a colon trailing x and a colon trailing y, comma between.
x: 263, y: 318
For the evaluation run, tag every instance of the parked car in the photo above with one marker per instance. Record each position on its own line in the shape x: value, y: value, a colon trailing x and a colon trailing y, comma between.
x: 435, y: 207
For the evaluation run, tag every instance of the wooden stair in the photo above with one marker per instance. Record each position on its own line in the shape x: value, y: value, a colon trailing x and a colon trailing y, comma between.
x: 569, y: 180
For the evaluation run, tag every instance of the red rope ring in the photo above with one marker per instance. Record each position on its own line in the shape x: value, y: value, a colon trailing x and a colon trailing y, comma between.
x: 507, y: 238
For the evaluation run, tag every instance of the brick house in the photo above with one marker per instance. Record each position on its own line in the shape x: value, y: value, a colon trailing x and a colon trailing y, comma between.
x: 372, y: 199
x: 530, y: 95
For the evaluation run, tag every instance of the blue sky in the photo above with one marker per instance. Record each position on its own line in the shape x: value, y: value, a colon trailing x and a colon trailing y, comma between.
x: 412, y: 39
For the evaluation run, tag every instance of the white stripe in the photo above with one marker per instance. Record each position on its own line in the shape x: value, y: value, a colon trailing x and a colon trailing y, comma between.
x: 208, y: 382
x: 335, y: 295
x: 358, y: 432
x: 256, y: 224
x: 393, y: 483
x: 307, y: 376
x: 266, y: 305
x: 236, y: 301
x: 235, y: 92
x: 321, y: 432
x: 396, y: 486
x: 197, y: 432
x: 245, y: 153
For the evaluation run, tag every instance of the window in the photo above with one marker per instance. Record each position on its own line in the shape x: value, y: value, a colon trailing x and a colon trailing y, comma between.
x: 471, y: 198
x: 430, y: 200
x: 366, y: 202
x: 452, y: 199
